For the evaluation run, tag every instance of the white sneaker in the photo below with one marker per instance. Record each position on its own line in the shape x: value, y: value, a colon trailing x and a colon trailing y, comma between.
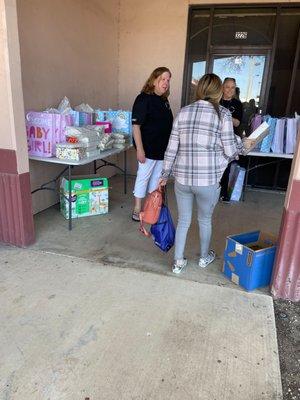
x: 205, y: 261
x: 179, y: 266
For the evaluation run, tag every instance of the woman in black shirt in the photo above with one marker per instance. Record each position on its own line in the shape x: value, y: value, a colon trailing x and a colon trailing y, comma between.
x: 152, y: 121
x: 236, y: 108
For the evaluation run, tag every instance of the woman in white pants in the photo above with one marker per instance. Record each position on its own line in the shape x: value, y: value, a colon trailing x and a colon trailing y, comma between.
x: 152, y: 124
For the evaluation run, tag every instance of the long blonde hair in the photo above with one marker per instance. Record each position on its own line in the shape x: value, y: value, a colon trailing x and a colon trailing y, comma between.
x: 209, y: 88
x: 149, y: 85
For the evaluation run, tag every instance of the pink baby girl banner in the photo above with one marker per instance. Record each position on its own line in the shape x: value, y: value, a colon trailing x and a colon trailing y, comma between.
x: 44, y: 130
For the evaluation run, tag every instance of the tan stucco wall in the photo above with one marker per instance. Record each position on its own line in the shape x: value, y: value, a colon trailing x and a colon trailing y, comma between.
x: 152, y: 34
x: 70, y: 48
x: 11, y: 96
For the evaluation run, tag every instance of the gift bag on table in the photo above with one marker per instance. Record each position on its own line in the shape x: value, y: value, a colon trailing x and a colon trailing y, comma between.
x: 44, y: 130
x: 81, y: 118
x: 266, y: 144
x: 291, y: 135
x: 256, y: 122
x: 278, y: 139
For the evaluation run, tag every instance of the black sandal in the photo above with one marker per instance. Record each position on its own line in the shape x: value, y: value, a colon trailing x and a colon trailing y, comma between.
x: 135, y: 216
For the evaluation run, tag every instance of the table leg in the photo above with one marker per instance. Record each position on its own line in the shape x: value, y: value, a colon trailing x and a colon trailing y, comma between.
x: 125, y: 172
x: 70, y: 199
x: 275, y: 180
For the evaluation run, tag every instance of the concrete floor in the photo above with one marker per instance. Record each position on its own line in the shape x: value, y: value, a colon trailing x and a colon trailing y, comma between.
x: 72, y: 329
x: 115, y: 240
x: 81, y: 318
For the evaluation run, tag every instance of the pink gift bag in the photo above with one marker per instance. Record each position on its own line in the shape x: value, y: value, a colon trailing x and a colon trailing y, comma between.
x: 44, y: 130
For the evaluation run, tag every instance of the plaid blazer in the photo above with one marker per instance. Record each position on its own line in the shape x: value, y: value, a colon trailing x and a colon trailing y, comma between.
x: 201, y: 145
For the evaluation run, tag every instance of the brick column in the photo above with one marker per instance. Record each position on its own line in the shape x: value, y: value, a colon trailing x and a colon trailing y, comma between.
x: 286, y: 274
x: 16, y: 220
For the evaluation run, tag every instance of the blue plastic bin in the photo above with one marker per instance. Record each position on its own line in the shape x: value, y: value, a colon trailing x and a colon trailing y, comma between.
x: 249, y: 259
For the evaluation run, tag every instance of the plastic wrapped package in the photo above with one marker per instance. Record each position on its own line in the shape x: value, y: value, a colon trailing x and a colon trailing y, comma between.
x: 64, y: 106
x: 118, y: 145
x: 83, y: 134
x: 92, y: 153
x: 106, y: 142
x: 70, y: 151
x: 97, y: 128
x: 83, y: 107
x: 122, y: 138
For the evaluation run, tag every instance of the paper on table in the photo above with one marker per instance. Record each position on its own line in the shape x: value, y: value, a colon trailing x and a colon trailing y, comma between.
x: 258, y: 135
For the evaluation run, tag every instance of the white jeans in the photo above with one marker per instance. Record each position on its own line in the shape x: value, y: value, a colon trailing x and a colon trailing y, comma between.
x: 148, y: 175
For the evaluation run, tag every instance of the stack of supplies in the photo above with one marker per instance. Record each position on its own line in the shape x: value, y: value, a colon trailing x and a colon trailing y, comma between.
x: 121, y: 140
x: 86, y: 142
x: 120, y: 120
x: 70, y: 151
x: 106, y: 142
x: 69, y: 132
x: 81, y: 142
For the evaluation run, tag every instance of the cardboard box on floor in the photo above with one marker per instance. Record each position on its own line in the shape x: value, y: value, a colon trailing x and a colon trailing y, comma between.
x: 249, y: 259
x: 89, y: 196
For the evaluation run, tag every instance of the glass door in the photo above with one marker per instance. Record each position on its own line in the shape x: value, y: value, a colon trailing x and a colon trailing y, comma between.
x: 250, y: 74
x: 247, y: 70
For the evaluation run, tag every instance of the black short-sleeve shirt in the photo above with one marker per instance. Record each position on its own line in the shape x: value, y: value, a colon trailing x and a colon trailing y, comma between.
x: 236, y: 109
x: 154, y: 115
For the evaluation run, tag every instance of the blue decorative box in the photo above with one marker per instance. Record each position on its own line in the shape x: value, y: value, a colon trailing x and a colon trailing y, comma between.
x: 249, y: 259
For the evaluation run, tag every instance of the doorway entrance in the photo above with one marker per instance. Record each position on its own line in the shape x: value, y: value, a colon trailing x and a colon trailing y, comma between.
x: 258, y: 45
x: 254, y: 44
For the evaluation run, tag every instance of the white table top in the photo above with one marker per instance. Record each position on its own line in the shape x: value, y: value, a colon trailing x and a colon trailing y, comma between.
x: 274, y: 155
x: 101, y: 155
x: 112, y: 152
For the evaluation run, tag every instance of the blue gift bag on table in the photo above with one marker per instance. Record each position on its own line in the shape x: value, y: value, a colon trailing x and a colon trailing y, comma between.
x: 163, y: 232
x: 266, y: 144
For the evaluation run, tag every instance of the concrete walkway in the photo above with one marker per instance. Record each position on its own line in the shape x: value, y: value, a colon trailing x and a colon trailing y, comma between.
x: 72, y: 329
x: 114, y: 239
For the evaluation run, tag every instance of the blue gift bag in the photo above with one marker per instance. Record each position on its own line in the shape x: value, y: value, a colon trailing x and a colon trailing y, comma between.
x: 266, y: 144
x: 163, y: 232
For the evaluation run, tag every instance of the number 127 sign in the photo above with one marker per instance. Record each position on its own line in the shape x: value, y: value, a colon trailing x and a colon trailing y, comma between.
x: 241, y: 35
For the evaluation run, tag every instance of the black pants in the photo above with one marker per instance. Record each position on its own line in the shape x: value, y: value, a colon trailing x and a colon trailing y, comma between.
x: 224, y: 182
x: 225, y: 178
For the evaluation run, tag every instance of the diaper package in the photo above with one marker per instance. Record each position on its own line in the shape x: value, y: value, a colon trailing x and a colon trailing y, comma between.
x: 89, y: 196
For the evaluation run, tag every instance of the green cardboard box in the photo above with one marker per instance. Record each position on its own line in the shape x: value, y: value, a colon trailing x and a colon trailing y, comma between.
x: 89, y: 196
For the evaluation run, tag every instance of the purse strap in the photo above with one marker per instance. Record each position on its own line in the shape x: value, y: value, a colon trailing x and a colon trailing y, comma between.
x: 142, y: 228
